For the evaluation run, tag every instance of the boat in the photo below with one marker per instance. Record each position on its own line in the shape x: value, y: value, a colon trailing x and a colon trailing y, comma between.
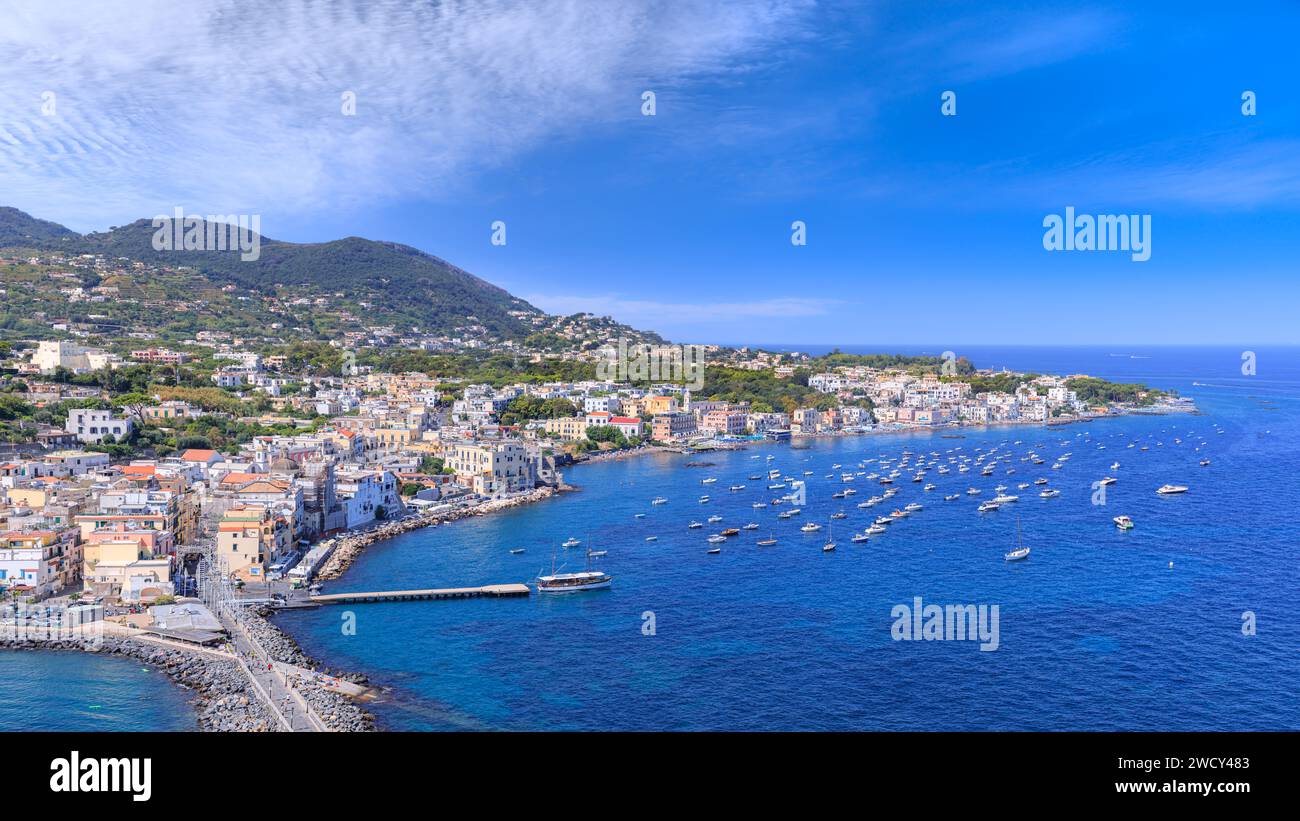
x: 1115, y: 466
x: 973, y: 491
x: 758, y: 505
x: 876, y: 530
x: 658, y: 500
x: 713, y: 551
x: 1168, y: 490
x: 830, y: 538
x: 1021, y: 552
x: 951, y: 496
x: 652, y: 538
x: 913, y: 507
x: 1204, y: 462
x: 811, y: 527
x: 1123, y: 522
x: 785, y: 514
x: 1109, y: 480
x: 883, y: 520
x: 573, y: 582
x: 716, y: 539
x: 571, y: 543
x: 987, y: 506
x: 516, y: 551
x: 898, y: 514
x: 1049, y: 493
x: 736, y: 487
x: 731, y: 531
x: 859, y: 538
x: 638, y: 515
x: 1003, y: 498
x: 840, y: 515
x: 695, y: 525
x: 751, y: 526
x: 704, y: 499
x: 595, y: 554
x: 769, y: 541
x: 777, y: 486
x: 714, y: 518
x: 708, y: 481
x: 1040, y: 481
x: 931, y: 486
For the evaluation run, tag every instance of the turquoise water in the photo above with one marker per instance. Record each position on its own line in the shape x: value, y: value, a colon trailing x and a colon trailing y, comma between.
x: 1097, y: 631
x: 81, y: 692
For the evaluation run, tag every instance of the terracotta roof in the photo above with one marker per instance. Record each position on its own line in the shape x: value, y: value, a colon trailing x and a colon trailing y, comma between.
x: 237, y: 478
x: 198, y: 455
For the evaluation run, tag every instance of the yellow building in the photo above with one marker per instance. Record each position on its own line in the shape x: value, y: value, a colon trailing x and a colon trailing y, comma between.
x: 660, y: 404
x: 567, y: 427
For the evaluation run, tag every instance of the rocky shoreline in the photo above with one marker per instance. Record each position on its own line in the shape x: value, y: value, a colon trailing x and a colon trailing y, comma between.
x: 349, y: 547
x: 224, y: 700
x: 339, y: 712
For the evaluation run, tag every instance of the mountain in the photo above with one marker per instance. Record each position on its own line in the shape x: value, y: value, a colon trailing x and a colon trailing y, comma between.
x: 386, y: 282
x: 18, y: 229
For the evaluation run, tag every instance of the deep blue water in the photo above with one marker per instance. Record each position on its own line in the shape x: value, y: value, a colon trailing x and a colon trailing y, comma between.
x: 81, y: 692
x: 1096, y: 630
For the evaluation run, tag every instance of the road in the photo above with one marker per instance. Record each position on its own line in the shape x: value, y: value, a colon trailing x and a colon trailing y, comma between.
x: 286, y: 702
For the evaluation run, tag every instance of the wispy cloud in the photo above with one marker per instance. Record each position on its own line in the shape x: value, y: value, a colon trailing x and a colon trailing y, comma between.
x: 234, y: 106
x: 994, y: 44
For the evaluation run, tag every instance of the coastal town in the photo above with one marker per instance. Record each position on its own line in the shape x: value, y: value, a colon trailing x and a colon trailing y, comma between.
x: 182, y: 491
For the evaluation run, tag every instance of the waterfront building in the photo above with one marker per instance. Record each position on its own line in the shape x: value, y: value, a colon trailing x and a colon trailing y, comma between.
x: 672, y: 427
x: 724, y: 421
x: 491, y: 469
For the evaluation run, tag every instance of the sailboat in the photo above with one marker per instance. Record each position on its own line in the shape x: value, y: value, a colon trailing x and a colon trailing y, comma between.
x: 830, y: 537
x: 1021, y: 552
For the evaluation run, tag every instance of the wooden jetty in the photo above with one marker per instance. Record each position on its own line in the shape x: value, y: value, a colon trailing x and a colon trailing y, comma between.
x: 494, y: 591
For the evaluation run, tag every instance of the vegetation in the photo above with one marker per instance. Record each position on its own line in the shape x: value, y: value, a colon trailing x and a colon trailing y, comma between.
x: 524, y: 408
x: 1098, y: 391
x: 761, y: 389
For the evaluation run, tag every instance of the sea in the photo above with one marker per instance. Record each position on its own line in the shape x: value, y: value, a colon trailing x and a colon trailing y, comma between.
x: 1185, y: 622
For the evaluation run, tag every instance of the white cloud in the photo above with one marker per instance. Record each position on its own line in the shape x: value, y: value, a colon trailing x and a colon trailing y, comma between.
x: 231, y: 106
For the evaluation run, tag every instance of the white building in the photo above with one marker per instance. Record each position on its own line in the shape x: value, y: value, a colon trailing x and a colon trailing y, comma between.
x: 91, y: 426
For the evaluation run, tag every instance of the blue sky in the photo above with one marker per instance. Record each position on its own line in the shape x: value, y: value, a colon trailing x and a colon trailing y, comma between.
x: 921, y: 228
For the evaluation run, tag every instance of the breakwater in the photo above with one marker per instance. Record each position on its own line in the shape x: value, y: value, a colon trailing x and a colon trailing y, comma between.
x: 336, y: 710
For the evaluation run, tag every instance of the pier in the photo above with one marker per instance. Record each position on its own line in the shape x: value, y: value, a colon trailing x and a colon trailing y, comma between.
x: 494, y: 591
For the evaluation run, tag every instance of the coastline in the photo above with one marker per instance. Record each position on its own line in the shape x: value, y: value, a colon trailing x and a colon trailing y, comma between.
x: 350, y: 547
x: 224, y: 700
